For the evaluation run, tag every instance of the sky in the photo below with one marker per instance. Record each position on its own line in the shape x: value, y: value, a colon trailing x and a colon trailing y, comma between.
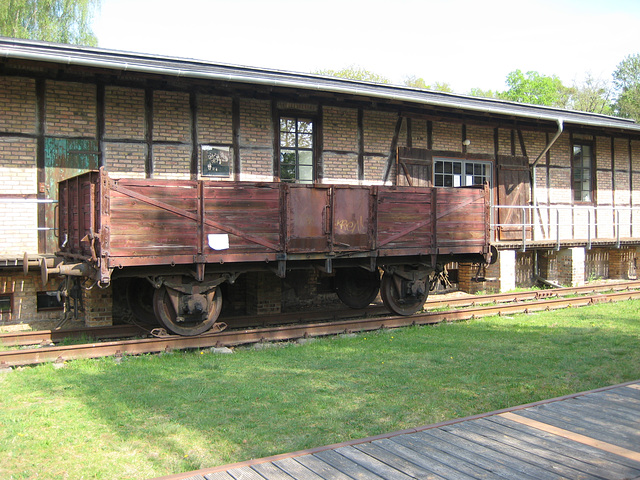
x: 465, y: 43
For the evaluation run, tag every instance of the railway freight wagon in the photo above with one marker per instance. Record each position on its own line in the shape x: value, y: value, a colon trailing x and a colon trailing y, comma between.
x: 179, y: 241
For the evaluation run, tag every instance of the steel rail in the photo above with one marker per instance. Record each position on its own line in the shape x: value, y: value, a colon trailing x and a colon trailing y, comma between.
x: 472, y: 300
x: 291, y: 332
x: 46, y: 337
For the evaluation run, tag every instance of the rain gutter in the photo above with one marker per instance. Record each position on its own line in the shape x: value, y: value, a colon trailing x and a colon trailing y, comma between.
x: 181, y: 68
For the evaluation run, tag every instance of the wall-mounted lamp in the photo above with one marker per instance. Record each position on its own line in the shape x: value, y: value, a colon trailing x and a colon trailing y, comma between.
x: 466, y: 142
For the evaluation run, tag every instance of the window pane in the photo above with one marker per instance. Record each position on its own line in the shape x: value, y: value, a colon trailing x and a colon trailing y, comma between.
x: 439, y: 167
x: 457, y: 167
x: 439, y: 181
x: 305, y: 141
x: 5, y: 303
x: 305, y: 157
x: 288, y: 140
x: 305, y: 173
x: 288, y: 125
x: 48, y: 301
x: 287, y: 172
x: 448, y: 168
x: 305, y: 126
x: 288, y: 157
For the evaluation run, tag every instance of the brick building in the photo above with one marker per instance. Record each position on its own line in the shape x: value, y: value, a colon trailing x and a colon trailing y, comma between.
x: 564, y: 184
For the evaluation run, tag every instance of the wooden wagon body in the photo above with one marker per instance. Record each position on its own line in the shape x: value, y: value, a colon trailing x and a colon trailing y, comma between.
x: 121, y: 223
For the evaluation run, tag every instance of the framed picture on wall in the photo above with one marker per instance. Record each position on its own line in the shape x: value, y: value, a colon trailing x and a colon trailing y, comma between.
x: 216, y: 160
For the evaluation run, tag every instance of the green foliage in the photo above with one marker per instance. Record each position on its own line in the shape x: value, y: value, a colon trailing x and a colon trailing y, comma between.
x: 354, y: 72
x: 593, y: 95
x: 415, y: 82
x: 626, y: 79
x: 535, y: 89
x: 62, y: 21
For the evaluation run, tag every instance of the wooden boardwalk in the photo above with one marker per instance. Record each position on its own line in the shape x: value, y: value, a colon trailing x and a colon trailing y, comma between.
x: 591, y: 435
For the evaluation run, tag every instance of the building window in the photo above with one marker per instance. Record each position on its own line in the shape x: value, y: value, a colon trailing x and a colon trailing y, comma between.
x: 296, y: 150
x: 461, y: 173
x: 581, y: 163
x: 6, y: 303
x: 49, y: 301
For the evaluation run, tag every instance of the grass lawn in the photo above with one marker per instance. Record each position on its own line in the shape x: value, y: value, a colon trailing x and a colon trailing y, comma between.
x: 154, y: 415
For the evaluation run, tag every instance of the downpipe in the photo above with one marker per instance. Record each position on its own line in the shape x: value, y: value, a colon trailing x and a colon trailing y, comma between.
x: 534, y: 199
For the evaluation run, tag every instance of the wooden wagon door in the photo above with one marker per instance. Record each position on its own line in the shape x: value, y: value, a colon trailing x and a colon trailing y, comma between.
x: 414, y: 167
x: 513, y: 191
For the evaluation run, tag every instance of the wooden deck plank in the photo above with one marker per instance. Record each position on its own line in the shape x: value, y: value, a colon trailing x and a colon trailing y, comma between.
x: 620, y: 467
x: 623, y: 412
x: 605, y: 418
x: 296, y: 469
x: 435, y: 450
x: 218, y: 476
x: 271, y: 472
x: 612, y: 448
x: 321, y: 468
x: 458, y: 457
x: 523, y: 469
x: 580, y: 426
x: 542, y: 467
x: 245, y: 473
x: 449, y: 470
x: 372, y: 464
x: 553, y: 458
x: 399, y: 462
x: 347, y: 466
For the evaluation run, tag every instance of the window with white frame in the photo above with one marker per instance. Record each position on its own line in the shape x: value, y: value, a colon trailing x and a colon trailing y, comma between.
x: 460, y: 173
x: 296, y: 150
x: 581, y: 164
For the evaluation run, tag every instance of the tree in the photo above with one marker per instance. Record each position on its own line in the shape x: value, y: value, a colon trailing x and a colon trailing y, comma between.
x: 415, y: 82
x: 354, y: 72
x: 593, y: 95
x: 626, y: 80
x: 63, y: 21
x: 536, y: 89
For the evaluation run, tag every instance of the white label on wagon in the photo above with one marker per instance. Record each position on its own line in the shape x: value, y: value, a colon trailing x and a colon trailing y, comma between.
x: 218, y: 241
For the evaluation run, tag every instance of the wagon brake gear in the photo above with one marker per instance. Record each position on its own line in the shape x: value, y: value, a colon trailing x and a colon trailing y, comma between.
x: 442, y: 276
x: 71, y: 290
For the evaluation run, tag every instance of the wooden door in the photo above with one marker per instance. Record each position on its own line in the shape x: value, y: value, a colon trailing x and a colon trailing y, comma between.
x: 514, y: 187
x: 414, y: 167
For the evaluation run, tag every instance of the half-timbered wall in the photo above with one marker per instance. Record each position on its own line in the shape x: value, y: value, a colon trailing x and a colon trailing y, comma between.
x: 142, y: 129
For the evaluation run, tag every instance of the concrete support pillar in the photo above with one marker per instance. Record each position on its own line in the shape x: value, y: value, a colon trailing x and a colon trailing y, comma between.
x: 507, y: 270
x: 571, y: 266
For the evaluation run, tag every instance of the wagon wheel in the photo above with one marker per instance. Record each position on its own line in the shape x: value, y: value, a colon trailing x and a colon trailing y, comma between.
x: 399, y: 296
x: 140, y: 299
x: 171, y: 312
x: 357, y: 287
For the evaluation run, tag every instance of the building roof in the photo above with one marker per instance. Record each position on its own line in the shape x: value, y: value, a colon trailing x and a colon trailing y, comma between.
x: 198, y: 69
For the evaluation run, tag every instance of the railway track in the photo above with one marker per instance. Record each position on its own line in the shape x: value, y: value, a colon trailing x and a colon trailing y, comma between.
x: 504, y: 304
